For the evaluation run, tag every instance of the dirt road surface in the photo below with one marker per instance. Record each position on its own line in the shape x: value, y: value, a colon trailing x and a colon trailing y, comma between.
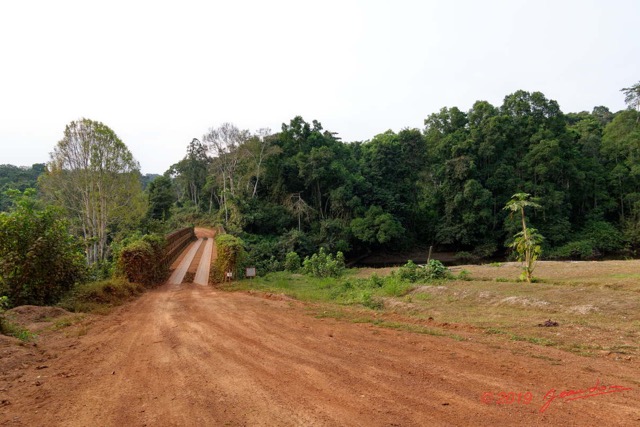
x: 190, y: 355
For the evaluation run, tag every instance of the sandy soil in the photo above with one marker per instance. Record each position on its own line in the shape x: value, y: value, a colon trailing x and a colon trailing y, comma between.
x: 191, y: 355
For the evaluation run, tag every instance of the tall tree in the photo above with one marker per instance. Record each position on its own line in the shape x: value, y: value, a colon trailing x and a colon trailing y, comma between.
x: 632, y: 96
x: 257, y: 150
x: 160, y: 193
x: 225, y: 144
x: 191, y: 172
x: 93, y: 175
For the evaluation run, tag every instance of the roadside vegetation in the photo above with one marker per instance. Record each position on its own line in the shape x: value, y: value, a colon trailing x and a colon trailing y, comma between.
x: 86, y: 229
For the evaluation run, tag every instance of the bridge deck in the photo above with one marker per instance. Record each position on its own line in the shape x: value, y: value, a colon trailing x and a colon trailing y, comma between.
x: 202, y: 275
x: 178, y: 274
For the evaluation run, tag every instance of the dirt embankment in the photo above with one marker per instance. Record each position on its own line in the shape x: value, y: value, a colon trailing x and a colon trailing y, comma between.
x: 192, y: 355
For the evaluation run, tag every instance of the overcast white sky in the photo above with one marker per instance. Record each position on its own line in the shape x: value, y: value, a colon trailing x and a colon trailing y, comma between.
x: 160, y: 73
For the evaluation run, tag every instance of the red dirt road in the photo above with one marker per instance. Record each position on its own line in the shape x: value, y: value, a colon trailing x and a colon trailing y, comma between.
x: 190, y: 355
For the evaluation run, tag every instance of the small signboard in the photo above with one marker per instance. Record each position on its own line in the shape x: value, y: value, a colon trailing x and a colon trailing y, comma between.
x: 250, y: 272
x: 229, y: 274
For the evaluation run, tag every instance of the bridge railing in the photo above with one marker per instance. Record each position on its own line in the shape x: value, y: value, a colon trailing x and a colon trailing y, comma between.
x: 176, y: 242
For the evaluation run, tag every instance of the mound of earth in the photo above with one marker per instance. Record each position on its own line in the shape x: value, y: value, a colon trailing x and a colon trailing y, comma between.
x: 34, y: 313
x: 34, y: 317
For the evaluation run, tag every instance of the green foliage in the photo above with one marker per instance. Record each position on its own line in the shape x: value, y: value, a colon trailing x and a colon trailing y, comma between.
x: 368, y: 300
x: 263, y: 253
x: 579, y: 249
x: 434, y: 270
x: 39, y: 259
x: 527, y: 247
x: 140, y: 261
x: 190, y: 175
x: 4, y: 304
x: 14, y: 330
x: 189, y: 216
x: 594, y: 240
x: 410, y: 272
x: 632, y: 96
x: 292, y: 262
x: 231, y: 255
x: 161, y: 198
x: 376, y: 281
x: 296, y: 241
x: 605, y: 237
x: 464, y: 275
x: 377, y: 227
x: 393, y: 287
x: 17, y: 178
x: 369, y: 292
x: 303, y: 188
x: 93, y: 176
x: 324, y: 264
x: 527, y: 243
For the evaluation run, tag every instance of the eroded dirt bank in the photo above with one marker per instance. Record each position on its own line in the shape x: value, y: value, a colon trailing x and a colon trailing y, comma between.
x: 191, y: 355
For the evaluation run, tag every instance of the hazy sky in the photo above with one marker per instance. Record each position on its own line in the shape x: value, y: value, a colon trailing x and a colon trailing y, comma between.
x: 160, y: 73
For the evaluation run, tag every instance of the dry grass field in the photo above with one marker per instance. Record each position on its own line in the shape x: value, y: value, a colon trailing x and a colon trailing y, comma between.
x: 596, y: 304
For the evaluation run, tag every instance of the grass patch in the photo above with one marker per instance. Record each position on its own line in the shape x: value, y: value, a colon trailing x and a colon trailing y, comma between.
x: 595, y: 304
x: 11, y: 329
x: 346, y: 290
x: 99, y: 297
x: 534, y: 340
x: 66, y: 321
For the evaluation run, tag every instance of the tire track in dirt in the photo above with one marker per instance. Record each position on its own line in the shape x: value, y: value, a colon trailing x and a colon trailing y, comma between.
x: 202, y: 274
x: 186, y: 354
x: 178, y: 274
x: 191, y: 355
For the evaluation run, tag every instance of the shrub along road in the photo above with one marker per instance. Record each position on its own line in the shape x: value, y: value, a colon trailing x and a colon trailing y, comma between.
x: 186, y: 354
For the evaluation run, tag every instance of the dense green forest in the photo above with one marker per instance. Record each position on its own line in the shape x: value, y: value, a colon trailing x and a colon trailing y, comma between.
x: 303, y: 188
x: 444, y: 185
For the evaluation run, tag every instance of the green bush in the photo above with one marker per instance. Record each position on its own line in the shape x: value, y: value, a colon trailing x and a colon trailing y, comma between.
x: 292, y: 262
x: 141, y: 260
x: 436, y: 270
x: 263, y: 253
x: 394, y: 287
x: 604, y: 236
x: 324, y: 264
x: 39, y: 259
x: 368, y: 300
x: 231, y: 256
x: 409, y: 272
x: 94, y: 296
x: 4, y: 304
x: 412, y: 272
x: 595, y: 239
x: 464, y: 275
x: 376, y: 281
x: 582, y: 249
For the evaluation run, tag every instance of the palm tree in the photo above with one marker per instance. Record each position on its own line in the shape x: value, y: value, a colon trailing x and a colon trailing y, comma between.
x: 527, y: 242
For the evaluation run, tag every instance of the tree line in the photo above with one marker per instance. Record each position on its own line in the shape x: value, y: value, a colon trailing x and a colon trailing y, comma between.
x: 303, y: 188
x: 443, y: 185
